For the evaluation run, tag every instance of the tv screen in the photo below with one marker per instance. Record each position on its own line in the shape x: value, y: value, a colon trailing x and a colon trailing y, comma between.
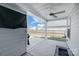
x: 11, y: 19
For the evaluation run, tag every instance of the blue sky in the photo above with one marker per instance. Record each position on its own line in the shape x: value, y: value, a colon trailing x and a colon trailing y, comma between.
x: 31, y: 21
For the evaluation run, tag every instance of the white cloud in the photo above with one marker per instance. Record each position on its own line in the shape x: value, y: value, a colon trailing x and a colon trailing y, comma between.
x: 33, y: 22
x: 33, y: 28
x: 40, y: 25
x: 36, y: 20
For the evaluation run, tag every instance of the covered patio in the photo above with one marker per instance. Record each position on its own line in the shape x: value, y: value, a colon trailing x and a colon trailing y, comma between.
x: 59, y: 20
x: 42, y: 47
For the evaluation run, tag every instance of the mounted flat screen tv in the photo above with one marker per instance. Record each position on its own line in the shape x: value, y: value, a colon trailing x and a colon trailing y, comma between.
x: 11, y: 19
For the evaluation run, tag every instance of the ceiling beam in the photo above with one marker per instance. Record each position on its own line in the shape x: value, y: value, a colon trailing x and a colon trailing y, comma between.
x: 63, y: 26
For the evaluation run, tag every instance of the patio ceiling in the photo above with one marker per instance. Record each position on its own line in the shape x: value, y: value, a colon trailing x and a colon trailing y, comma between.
x: 42, y: 10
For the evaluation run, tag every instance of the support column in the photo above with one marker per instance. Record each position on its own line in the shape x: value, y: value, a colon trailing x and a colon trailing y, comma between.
x: 46, y: 30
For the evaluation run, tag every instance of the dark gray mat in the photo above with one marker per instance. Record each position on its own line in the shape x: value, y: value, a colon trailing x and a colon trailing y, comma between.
x: 62, y: 51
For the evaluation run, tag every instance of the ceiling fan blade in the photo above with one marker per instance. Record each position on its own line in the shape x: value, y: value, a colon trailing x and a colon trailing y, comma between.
x: 54, y: 15
x: 59, y: 12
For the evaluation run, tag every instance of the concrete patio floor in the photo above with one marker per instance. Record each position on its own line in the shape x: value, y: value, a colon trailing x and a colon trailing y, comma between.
x: 42, y: 47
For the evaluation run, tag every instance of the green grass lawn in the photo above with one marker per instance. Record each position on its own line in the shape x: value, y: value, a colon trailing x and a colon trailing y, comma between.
x: 57, y: 38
